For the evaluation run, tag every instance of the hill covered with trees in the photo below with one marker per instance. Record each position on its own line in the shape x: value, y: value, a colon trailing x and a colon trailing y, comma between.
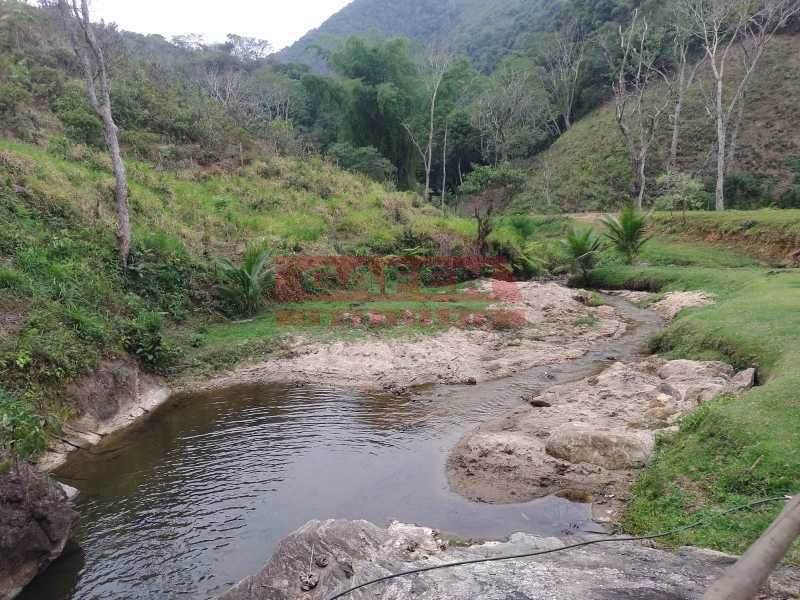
x: 485, y: 32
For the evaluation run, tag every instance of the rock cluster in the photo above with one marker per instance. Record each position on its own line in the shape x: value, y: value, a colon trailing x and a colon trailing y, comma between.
x: 590, y: 435
x: 36, y: 520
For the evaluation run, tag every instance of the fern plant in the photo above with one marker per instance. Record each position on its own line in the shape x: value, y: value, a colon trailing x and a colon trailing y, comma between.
x: 628, y: 232
x: 582, y: 246
x: 245, y: 288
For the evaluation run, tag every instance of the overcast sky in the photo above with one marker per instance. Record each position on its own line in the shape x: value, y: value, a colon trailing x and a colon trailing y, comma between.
x: 279, y: 21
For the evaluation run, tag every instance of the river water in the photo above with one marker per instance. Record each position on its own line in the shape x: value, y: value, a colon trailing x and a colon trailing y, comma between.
x: 196, y: 497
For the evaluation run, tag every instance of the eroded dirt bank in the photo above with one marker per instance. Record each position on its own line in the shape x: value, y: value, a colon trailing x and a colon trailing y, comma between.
x: 347, y: 553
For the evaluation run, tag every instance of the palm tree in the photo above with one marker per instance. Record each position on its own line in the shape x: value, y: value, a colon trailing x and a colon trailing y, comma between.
x: 245, y: 287
x: 582, y: 246
x: 627, y: 233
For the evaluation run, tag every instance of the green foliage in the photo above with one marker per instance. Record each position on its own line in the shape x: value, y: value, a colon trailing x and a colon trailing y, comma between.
x: 245, y: 288
x: 23, y: 433
x: 365, y: 160
x: 680, y: 191
x: 745, y: 191
x: 628, y: 232
x: 484, y: 177
x: 581, y: 247
x: 145, y: 340
x: 791, y: 197
x: 81, y: 125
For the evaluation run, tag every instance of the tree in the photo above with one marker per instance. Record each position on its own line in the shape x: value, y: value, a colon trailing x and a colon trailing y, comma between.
x: 432, y: 72
x: 721, y: 25
x: 634, y: 63
x: 247, y: 49
x: 684, y: 75
x: 561, y: 56
x: 628, y: 233
x: 496, y: 185
x: 84, y: 43
x: 511, y: 105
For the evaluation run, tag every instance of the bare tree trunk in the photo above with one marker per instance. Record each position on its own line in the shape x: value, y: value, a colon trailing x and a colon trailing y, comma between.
x: 444, y: 163
x: 96, y: 82
x: 722, y: 135
x: 642, y: 180
x: 732, y: 144
x: 676, y: 116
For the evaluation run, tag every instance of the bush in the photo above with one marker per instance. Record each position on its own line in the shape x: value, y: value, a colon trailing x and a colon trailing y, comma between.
x: 22, y: 431
x: 791, y: 197
x: 581, y: 247
x: 627, y: 233
x: 365, y: 160
x: 145, y: 340
x: 745, y: 191
x: 680, y: 191
x: 244, y: 289
x: 160, y: 270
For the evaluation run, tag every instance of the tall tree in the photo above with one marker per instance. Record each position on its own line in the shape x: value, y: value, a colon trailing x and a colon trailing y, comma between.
x: 432, y: 71
x: 721, y: 25
x: 95, y: 74
x: 684, y: 75
x: 634, y: 63
x: 561, y: 56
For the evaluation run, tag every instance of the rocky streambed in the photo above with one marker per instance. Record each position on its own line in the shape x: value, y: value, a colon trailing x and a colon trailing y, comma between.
x: 562, y: 405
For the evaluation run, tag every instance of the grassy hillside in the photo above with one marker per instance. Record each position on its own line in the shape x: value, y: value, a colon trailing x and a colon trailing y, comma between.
x: 66, y: 303
x: 587, y: 168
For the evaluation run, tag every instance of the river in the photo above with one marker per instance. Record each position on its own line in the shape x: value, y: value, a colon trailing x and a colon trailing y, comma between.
x: 193, y: 499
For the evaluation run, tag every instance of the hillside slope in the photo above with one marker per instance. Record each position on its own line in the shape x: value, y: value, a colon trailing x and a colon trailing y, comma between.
x: 587, y: 168
x: 485, y: 31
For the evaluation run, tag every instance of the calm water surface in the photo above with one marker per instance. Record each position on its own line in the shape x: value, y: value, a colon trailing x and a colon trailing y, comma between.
x: 195, y: 498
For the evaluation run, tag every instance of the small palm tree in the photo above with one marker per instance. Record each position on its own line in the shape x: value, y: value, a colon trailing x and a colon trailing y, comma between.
x: 245, y: 287
x: 582, y: 246
x: 627, y: 233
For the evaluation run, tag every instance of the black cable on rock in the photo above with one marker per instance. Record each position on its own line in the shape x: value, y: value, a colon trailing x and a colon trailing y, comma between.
x: 559, y: 549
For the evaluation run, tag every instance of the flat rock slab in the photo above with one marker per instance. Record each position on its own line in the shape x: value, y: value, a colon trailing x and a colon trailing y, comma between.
x: 357, y: 551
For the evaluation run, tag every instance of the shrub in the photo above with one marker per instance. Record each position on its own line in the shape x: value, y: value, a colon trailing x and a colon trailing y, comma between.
x: 680, y: 191
x: 22, y: 431
x: 745, y: 191
x: 365, y: 160
x: 145, y: 340
x: 245, y: 288
x: 581, y: 247
x: 160, y: 270
x: 791, y: 197
x: 627, y: 233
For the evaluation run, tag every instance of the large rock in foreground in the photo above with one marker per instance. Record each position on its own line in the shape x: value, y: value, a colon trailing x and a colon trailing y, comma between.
x: 347, y: 553
x: 36, y: 520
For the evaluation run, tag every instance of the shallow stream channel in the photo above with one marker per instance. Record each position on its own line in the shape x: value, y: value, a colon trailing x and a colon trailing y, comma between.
x: 197, y: 496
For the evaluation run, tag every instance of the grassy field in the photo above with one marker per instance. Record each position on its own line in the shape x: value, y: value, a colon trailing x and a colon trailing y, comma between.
x: 730, y: 451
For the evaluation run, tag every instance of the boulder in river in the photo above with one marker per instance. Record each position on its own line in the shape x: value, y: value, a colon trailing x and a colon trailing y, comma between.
x: 36, y: 521
x: 358, y: 551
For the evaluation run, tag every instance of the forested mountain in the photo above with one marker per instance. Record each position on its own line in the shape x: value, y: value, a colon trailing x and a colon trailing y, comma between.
x: 484, y: 31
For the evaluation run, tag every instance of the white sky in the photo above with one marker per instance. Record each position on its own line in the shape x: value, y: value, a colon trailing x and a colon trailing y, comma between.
x: 279, y: 21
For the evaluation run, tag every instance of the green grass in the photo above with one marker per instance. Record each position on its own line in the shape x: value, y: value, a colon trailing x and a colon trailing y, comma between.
x: 730, y: 451
x: 67, y: 303
x: 219, y: 345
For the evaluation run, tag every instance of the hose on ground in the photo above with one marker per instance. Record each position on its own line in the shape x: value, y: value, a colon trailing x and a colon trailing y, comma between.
x: 694, y: 525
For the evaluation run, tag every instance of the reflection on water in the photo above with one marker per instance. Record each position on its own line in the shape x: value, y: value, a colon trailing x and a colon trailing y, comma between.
x: 196, y: 498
